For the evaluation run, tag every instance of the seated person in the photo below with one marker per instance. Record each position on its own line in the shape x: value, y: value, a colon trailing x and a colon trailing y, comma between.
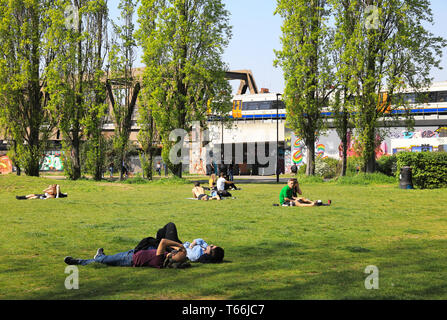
x: 151, y: 257
x: 53, y: 191
x: 212, y: 182
x: 198, y: 192
x: 223, y: 185
x: 286, y: 197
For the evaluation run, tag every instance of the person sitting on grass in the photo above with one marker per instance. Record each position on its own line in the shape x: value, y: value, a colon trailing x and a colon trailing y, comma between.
x: 152, y: 257
x: 224, y: 184
x: 286, y: 197
x: 52, y: 192
x: 199, y: 193
x: 212, y: 182
x: 197, y: 251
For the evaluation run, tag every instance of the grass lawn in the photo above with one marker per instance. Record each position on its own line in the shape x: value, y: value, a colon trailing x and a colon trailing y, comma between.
x: 270, y: 252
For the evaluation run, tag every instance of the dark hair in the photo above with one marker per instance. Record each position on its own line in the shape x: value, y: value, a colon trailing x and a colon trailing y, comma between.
x: 216, y: 256
x: 196, y: 184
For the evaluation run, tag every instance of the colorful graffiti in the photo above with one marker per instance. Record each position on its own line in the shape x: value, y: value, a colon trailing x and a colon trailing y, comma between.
x: 298, y: 156
x: 320, y: 150
x: 415, y: 134
x: 5, y: 165
x: 52, y: 161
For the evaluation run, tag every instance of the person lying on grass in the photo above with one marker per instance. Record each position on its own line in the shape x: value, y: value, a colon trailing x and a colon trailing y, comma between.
x: 152, y: 257
x: 287, y: 198
x: 52, y: 192
x: 197, y: 251
x: 199, y: 193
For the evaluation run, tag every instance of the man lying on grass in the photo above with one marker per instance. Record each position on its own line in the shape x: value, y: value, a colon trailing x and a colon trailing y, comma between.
x: 155, y: 258
x: 289, y: 196
x: 197, y: 251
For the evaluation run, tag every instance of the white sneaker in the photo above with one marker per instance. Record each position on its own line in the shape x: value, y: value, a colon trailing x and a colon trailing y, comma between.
x: 100, y: 252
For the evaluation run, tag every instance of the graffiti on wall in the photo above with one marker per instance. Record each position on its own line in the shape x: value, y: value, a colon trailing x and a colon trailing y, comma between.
x: 52, y: 161
x: 298, y: 151
x: 5, y: 165
x: 414, y: 135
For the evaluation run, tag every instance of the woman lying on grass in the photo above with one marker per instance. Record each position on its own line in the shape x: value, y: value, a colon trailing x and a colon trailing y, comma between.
x: 52, y: 192
x: 199, y: 193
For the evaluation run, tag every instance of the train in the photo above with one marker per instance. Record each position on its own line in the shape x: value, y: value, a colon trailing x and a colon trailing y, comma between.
x: 432, y: 101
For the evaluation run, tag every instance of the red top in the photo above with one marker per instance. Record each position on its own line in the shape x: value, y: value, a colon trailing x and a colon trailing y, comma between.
x: 148, y: 258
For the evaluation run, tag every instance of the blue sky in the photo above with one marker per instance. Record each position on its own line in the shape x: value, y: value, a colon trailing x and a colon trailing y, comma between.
x: 256, y: 33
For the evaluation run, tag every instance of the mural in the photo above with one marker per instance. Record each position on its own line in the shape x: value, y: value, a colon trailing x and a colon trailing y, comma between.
x: 298, y: 151
x: 52, y: 161
x: 5, y: 165
x: 414, y: 135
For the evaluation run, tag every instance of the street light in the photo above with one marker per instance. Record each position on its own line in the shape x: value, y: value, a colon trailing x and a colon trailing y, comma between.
x: 277, y: 137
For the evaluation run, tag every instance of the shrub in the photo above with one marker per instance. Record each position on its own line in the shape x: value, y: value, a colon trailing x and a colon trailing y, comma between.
x: 387, y: 165
x: 352, y: 164
x: 429, y: 169
x: 326, y: 168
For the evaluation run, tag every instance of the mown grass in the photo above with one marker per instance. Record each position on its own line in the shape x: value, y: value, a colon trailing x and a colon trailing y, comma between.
x: 270, y: 252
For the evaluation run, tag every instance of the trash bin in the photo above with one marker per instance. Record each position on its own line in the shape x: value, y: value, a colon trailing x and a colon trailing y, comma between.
x: 405, y: 178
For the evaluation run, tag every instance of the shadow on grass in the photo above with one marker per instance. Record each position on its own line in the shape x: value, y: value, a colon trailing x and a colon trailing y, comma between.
x: 270, y: 271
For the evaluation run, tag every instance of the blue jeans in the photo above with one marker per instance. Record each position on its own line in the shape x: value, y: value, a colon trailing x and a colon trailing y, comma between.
x: 122, y: 259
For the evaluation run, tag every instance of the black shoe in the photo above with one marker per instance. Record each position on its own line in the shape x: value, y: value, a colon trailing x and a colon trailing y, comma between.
x: 71, y: 261
x: 21, y: 197
x: 100, y: 252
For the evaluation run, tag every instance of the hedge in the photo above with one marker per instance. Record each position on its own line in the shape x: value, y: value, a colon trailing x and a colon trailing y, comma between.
x: 429, y: 169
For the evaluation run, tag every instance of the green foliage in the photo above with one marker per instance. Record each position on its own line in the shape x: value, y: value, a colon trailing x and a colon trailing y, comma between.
x: 387, y: 165
x: 307, y: 67
x: 23, y: 56
x: 327, y: 168
x: 354, y: 165
x: 429, y: 169
x: 183, y: 42
x: 390, y: 48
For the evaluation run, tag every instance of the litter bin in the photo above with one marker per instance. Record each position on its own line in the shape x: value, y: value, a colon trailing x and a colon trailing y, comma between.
x: 405, y: 178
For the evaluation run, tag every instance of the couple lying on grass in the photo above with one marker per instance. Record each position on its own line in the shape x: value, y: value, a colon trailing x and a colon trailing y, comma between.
x: 289, y: 196
x: 164, y: 251
x: 52, y: 192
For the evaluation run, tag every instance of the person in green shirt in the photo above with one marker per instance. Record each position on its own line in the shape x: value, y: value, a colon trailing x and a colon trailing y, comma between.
x: 286, y: 197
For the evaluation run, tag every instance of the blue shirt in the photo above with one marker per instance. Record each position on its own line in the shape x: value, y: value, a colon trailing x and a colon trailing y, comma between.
x: 197, y: 251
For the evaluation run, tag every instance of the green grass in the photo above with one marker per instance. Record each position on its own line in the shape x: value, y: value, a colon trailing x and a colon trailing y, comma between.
x: 270, y: 252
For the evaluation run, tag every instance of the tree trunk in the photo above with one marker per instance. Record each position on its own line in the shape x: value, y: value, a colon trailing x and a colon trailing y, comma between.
x: 310, y: 161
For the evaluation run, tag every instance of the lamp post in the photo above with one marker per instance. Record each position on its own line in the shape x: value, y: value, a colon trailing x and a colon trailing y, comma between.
x: 277, y: 137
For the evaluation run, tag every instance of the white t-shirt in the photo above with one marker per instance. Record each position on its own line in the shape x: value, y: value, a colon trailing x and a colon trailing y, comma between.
x: 220, y: 184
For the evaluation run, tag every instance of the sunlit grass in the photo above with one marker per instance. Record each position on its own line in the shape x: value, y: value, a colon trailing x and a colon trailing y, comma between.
x: 270, y: 252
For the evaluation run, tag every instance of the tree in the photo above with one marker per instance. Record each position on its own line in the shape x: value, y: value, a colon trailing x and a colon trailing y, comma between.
x: 123, y: 88
x: 183, y: 43
x: 23, y: 58
x: 342, y: 106
x: 75, y: 79
x: 307, y: 67
x: 393, y: 52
